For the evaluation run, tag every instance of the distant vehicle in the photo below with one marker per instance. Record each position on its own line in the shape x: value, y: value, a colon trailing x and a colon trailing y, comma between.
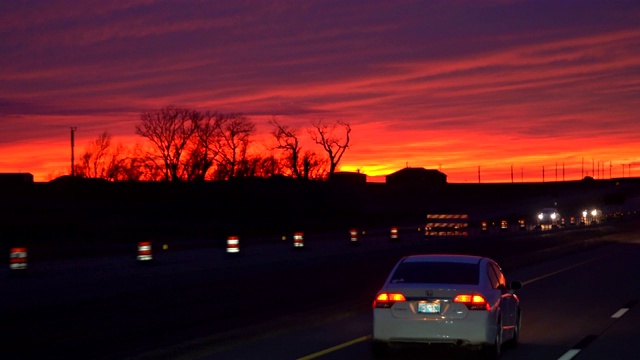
x: 455, y: 300
x: 548, y: 218
x: 591, y: 216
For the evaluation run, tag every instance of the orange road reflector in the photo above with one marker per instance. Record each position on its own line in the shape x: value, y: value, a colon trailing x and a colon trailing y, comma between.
x: 233, y: 244
x: 503, y: 225
x: 18, y: 258
x: 353, y: 235
x: 394, y: 233
x: 298, y: 240
x: 144, y: 251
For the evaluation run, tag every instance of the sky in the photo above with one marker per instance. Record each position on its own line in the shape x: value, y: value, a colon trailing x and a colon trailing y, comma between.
x: 485, y: 91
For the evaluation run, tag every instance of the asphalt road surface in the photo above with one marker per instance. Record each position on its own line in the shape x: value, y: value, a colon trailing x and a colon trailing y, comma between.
x: 274, y: 302
x: 582, y: 306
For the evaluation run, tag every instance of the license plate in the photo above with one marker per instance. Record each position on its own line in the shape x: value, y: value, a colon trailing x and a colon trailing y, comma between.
x: 428, y: 307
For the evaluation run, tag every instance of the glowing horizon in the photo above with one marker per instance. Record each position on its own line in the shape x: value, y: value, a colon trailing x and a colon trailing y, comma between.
x: 442, y: 85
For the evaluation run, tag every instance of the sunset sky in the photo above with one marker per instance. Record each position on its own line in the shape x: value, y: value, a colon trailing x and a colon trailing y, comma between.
x: 454, y: 85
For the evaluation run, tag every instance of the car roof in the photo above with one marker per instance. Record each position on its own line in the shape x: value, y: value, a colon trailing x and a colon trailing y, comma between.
x: 467, y: 259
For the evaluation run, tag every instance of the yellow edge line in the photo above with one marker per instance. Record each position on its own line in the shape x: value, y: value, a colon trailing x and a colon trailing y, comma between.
x: 335, y: 348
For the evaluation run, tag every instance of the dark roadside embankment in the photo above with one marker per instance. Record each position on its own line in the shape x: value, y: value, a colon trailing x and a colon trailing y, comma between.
x: 88, y: 217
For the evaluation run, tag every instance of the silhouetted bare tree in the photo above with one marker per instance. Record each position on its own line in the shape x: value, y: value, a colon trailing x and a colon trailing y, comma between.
x: 170, y: 129
x: 131, y: 166
x: 313, y: 167
x: 98, y: 158
x: 231, y: 142
x: 203, y: 150
x: 334, y: 145
x: 287, y: 139
x: 268, y: 166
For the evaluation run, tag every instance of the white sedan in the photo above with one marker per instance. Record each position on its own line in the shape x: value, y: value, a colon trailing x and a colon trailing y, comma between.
x: 458, y: 300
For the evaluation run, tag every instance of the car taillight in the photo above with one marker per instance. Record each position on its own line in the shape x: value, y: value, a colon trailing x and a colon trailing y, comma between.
x: 473, y: 302
x: 386, y: 300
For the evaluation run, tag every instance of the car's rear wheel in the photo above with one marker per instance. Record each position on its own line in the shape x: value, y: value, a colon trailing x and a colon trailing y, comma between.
x: 513, y: 342
x: 493, y: 351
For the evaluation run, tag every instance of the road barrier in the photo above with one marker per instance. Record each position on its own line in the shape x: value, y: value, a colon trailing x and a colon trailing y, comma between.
x: 144, y: 251
x: 504, y: 225
x: 449, y: 225
x: 298, y: 240
x: 18, y: 258
x: 394, y: 233
x: 233, y: 244
x: 353, y: 236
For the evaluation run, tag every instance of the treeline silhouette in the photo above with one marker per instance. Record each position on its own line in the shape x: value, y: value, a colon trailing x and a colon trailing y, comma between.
x: 191, y: 145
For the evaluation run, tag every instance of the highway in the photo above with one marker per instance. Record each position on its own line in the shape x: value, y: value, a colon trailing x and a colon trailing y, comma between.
x: 584, y: 304
x: 275, y: 302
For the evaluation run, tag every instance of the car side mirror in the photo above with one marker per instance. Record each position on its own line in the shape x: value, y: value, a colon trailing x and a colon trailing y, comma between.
x: 515, y: 285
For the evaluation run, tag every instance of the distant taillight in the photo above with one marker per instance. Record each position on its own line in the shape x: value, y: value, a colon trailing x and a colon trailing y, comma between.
x: 386, y: 300
x: 472, y: 301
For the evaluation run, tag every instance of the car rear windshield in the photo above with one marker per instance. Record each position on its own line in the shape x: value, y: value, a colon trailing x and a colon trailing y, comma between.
x: 437, y: 273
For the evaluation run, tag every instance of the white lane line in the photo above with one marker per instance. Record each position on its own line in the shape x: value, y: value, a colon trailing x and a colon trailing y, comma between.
x: 569, y: 354
x: 619, y: 313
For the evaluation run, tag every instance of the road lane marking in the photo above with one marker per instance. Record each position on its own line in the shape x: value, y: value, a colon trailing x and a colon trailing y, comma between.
x: 619, y: 313
x: 591, y: 338
x: 335, y: 348
x: 569, y: 354
x: 566, y: 268
x: 579, y: 346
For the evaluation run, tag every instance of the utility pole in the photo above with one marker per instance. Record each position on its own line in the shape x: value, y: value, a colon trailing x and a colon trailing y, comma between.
x: 542, y: 173
x: 478, y: 174
x: 73, y: 168
x: 512, y: 174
